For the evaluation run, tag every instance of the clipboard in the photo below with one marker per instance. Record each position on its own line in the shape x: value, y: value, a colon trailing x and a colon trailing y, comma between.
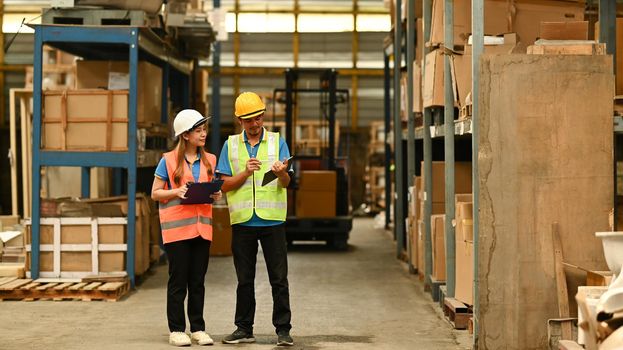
x: 199, y: 192
x: 269, y: 176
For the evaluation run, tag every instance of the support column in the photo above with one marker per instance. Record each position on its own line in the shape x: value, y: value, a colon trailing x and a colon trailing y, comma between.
x: 448, y: 117
x: 428, y: 156
x: 215, y: 133
x: 477, y: 47
x: 398, y: 162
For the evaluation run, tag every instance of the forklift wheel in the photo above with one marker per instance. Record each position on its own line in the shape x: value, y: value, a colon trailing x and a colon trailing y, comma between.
x: 340, y: 244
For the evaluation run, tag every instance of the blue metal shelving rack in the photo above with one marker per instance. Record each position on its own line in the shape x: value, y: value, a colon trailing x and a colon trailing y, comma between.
x: 105, y: 43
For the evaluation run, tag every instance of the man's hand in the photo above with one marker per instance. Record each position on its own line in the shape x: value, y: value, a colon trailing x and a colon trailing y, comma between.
x: 253, y: 164
x: 279, y: 168
x: 217, y: 195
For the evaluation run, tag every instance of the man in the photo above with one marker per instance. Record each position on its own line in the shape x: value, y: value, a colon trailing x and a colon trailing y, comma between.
x: 257, y: 213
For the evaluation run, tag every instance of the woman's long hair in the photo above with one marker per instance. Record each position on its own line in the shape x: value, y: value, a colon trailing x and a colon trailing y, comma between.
x: 181, y: 155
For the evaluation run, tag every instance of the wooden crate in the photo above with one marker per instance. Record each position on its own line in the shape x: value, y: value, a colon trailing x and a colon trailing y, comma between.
x: 85, y: 120
x: 78, y: 247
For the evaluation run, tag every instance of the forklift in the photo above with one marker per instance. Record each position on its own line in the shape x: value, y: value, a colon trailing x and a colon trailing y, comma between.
x: 333, y: 229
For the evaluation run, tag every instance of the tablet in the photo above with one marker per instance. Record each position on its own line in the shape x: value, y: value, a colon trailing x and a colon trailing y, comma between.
x: 199, y: 192
x: 269, y: 176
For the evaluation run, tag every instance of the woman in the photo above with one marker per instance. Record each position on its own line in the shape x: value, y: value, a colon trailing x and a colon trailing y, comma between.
x: 186, y: 228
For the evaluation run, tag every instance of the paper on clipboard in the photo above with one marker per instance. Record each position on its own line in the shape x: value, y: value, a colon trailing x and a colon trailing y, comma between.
x: 199, y: 192
x: 269, y: 176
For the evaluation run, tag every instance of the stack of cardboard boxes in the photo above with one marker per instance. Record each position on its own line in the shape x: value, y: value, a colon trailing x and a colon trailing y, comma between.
x: 415, y: 224
x: 521, y: 17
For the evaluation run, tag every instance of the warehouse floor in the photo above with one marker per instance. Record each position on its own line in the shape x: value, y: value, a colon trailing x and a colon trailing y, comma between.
x: 360, y: 299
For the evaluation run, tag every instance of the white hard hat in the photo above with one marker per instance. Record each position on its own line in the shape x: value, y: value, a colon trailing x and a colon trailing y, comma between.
x: 187, y: 119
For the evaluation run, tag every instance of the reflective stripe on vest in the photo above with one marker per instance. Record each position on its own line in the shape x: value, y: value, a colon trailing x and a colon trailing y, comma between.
x: 178, y: 221
x: 269, y: 202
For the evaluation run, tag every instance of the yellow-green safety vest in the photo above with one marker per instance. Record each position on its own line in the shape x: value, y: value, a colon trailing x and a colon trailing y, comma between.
x: 269, y: 201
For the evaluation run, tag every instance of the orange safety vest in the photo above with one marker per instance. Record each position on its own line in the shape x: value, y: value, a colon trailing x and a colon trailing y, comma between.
x: 185, y: 221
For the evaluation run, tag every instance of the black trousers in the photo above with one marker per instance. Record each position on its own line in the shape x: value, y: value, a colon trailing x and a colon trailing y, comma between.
x: 244, y: 247
x: 188, y: 264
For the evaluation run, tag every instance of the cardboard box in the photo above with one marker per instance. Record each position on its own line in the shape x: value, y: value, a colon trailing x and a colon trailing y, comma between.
x: 576, y: 30
x: 417, y: 88
x: 522, y: 17
x: 462, y: 65
x: 318, y: 180
x: 419, y: 41
x: 462, y: 179
x: 221, y: 231
x: 439, y: 247
x: 421, y: 236
x: 315, y: 204
x: 462, y: 22
x: 391, y: 5
x: 464, y: 284
x: 316, y: 196
x: 95, y: 120
x: 528, y: 16
x: 8, y: 221
x: 433, y: 93
x: 96, y: 75
x: 464, y: 252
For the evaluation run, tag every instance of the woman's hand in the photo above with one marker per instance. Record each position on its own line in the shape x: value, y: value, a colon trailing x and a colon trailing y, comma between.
x: 181, y: 191
x: 217, y: 195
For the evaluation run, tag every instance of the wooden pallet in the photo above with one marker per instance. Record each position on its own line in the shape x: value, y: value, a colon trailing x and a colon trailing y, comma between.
x: 457, y: 313
x: 12, y: 288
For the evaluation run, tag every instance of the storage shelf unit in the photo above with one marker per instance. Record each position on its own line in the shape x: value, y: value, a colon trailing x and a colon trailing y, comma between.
x: 103, y: 43
x: 428, y: 131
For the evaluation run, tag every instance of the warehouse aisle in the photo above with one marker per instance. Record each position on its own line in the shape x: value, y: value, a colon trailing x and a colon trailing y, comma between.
x: 360, y: 299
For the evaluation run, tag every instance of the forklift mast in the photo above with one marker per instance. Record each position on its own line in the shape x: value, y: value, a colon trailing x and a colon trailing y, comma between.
x: 335, y: 229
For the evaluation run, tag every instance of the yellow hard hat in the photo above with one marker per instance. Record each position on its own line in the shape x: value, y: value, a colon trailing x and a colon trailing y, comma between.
x: 249, y: 105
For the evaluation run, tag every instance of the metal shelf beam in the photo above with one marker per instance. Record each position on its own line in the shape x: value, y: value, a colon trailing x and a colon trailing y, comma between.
x: 77, y: 38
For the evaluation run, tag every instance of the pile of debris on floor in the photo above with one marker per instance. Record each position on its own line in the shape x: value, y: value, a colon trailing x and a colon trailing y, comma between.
x: 12, y: 254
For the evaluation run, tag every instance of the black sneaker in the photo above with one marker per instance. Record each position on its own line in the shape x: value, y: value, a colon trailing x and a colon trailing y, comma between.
x: 239, y: 336
x: 284, y: 339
